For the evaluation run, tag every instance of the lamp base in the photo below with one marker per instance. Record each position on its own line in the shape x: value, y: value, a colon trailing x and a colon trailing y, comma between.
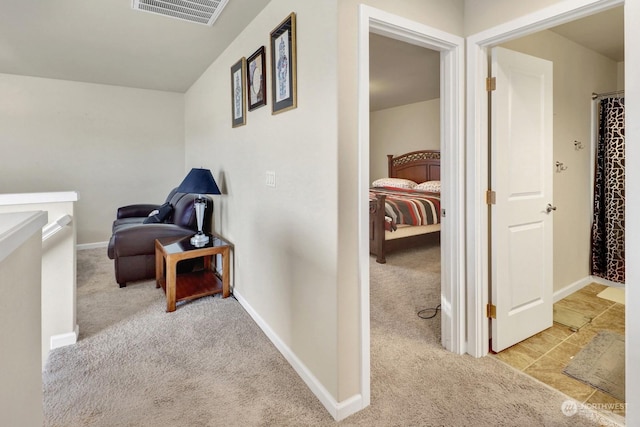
x: 199, y: 240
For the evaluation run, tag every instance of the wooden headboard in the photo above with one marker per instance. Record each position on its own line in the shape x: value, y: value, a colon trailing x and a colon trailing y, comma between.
x: 418, y: 166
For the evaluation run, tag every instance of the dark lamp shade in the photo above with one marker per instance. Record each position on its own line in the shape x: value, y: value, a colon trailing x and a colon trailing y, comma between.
x: 199, y: 181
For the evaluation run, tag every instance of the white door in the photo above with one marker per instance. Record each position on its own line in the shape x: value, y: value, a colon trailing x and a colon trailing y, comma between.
x: 522, y: 179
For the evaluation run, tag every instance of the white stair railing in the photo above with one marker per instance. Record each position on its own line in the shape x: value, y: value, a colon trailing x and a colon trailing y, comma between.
x: 53, y: 227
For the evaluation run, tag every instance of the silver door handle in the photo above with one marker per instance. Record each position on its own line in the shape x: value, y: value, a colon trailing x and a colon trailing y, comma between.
x: 550, y: 208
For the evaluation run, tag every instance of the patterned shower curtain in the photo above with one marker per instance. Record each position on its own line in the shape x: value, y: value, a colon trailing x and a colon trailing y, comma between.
x: 607, y: 234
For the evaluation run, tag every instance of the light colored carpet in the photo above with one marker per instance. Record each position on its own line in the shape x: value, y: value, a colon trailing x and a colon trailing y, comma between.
x: 208, y: 364
x: 601, y: 364
x: 613, y: 294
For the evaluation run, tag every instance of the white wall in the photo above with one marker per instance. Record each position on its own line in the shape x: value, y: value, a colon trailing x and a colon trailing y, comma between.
x: 113, y: 145
x: 20, y: 362
x: 285, y: 238
x: 620, y: 76
x: 483, y: 14
x: 577, y: 73
x: 402, y: 129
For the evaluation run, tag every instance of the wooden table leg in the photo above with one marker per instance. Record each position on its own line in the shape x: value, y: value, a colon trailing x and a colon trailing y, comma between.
x: 225, y: 272
x: 159, y: 269
x: 170, y: 285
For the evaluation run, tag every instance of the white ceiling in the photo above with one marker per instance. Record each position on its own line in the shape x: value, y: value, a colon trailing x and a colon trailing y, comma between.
x: 106, y: 41
x: 603, y: 32
x: 401, y: 73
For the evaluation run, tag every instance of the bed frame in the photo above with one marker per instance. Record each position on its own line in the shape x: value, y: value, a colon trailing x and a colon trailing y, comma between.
x: 418, y: 166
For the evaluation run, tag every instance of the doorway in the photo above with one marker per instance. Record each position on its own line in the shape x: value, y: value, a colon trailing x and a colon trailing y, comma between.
x: 478, y: 48
x: 404, y: 118
x: 580, y: 67
x: 451, y: 50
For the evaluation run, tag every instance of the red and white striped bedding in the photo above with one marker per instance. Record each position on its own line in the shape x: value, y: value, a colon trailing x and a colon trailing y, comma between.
x: 409, y: 206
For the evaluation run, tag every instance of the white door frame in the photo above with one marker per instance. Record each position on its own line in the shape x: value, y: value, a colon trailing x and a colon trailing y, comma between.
x: 451, y: 50
x: 478, y: 47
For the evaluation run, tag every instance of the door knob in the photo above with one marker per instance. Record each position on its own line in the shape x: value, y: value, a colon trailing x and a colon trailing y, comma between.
x: 550, y: 208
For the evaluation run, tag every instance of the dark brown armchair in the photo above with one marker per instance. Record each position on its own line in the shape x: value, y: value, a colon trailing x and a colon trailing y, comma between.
x: 132, y: 243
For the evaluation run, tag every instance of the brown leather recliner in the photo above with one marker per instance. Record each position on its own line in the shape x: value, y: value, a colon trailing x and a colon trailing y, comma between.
x: 132, y: 243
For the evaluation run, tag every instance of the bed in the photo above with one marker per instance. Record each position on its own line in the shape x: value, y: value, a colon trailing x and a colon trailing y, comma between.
x: 391, y: 228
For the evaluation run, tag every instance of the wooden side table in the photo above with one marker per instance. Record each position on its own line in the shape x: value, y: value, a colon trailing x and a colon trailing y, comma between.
x: 196, y: 284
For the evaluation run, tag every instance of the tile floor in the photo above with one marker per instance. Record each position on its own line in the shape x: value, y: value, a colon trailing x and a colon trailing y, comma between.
x: 545, y: 355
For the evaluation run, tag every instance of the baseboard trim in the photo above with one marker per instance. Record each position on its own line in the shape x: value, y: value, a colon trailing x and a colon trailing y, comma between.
x: 63, y: 340
x: 606, y: 282
x: 96, y: 245
x: 338, y: 410
x: 576, y: 286
x: 571, y: 288
x: 348, y: 407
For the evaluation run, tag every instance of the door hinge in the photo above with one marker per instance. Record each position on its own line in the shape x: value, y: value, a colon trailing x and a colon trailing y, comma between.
x: 491, y: 84
x: 491, y: 311
x: 491, y: 197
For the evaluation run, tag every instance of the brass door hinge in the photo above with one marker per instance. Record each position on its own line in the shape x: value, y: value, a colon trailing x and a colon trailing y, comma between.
x: 491, y: 311
x: 491, y: 84
x: 491, y: 197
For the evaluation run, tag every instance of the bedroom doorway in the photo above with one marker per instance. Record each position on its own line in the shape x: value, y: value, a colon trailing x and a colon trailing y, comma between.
x: 452, y: 297
x: 405, y: 118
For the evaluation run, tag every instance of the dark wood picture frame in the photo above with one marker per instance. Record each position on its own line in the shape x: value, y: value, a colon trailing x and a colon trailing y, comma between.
x: 238, y: 90
x: 283, y: 66
x: 256, y: 80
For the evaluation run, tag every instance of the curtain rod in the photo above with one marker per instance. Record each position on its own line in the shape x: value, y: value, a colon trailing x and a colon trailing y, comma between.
x: 600, y: 95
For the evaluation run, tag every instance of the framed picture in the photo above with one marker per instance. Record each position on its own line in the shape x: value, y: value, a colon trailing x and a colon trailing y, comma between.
x: 238, y: 105
x: 256, y: 85
x: 283, y: 66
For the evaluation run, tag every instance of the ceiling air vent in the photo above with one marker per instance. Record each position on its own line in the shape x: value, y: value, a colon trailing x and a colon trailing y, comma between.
x: 199, y: 11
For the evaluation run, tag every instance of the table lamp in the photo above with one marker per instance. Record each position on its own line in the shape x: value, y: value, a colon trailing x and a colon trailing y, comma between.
x: 199, y: 181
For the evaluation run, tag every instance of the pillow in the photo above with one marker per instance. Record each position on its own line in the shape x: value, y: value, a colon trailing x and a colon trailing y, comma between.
x: 430, y: 186
x: 159, y: 215
x: 394, y: 183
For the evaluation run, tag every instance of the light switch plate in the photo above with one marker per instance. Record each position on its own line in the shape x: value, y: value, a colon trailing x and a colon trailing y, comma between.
x: 271, y: 179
